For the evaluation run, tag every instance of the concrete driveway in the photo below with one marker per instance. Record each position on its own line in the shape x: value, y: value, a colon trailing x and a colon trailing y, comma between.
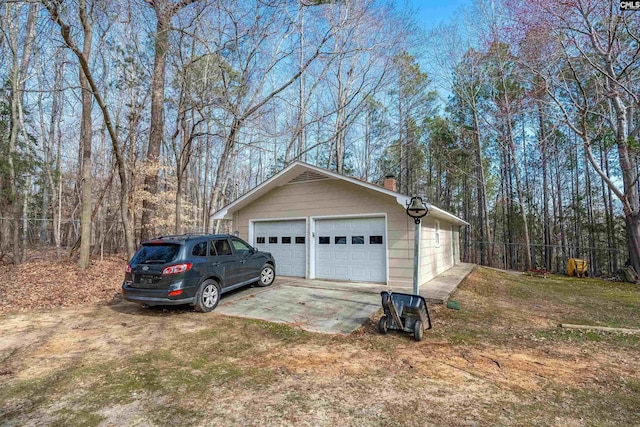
x: 313, y: 305
x: 327, y: 306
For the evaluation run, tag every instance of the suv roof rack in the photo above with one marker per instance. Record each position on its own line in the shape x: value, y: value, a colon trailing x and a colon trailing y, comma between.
x: 183, y: 236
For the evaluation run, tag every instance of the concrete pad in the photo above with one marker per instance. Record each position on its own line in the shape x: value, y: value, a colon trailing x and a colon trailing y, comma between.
x: 313, y: 308
x: 439, y: 289
x: 329, y: 306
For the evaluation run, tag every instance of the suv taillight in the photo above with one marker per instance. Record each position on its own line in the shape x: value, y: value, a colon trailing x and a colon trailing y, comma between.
x: 127, y: 269
x: 177, y: 268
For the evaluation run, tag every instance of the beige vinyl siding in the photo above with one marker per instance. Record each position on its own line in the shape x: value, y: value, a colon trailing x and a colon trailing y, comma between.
x: 435, y: 259
x: 334, y: 197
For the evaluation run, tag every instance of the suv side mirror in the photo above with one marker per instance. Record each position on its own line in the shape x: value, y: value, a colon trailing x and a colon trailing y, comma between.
x: 252, y: 250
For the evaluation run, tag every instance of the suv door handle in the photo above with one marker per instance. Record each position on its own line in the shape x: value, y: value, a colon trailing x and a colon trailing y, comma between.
x: 242, y: 261
x: 215, y: 264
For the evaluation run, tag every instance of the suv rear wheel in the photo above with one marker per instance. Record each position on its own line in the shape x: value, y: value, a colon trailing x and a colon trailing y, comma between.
x: 267, y: 275
x: 208, y: 296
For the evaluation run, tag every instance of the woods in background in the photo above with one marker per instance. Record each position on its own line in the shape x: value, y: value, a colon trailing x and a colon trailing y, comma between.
x: 126, y: 119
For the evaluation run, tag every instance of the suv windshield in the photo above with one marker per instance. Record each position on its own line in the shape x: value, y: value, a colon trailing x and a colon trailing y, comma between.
x: 155, y: 254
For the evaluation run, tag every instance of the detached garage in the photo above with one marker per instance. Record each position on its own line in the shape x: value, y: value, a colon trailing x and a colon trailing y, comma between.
x: 321, y: 225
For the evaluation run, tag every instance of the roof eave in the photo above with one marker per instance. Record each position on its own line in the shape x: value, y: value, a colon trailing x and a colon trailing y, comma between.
x: 446, y: 215
x: 282, y: 178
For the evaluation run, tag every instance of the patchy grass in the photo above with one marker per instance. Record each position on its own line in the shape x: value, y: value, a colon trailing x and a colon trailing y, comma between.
x: 500, y: 360
x: 68, y: 417
x: 498, y: 307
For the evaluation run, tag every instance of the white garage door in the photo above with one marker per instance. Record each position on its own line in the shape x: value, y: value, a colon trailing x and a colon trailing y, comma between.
x: 286, y: 242
x: 351, y: 249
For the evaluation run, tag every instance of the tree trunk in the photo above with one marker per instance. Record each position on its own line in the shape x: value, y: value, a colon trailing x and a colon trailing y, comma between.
x: 631, y: 203
x: 156, y: 130
x: 521, y: 196
x: 561, y: 221
x: 483, y: 208
x: 17, y: 78
x: 15, y: 205
x: 577, y: 222
x: 302, y: 107
x: 632, y: 222
x: 182, y: 163
x: 612, y: 241
x: 206, y: 213
x: 178, y: 212
x: 546, y: 226
x: 593, y: 256
x: 222, y: 172
x: 340, y: 141
x: 86, y: 141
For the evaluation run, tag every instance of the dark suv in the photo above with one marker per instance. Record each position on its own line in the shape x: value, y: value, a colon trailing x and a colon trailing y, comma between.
x: 194, y: 269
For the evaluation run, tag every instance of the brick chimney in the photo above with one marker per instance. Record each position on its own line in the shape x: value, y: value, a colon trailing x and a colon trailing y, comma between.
x: 390, y: 182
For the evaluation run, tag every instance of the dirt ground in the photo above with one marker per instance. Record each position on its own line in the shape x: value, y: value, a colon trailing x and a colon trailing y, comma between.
x: 500, y: 360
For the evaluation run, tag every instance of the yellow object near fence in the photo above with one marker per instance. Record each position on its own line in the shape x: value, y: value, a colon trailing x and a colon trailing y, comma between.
x: 577, y: 267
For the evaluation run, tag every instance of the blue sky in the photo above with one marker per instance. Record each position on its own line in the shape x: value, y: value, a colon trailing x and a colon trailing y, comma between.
x: 429, y: 14
x: 433, y: 12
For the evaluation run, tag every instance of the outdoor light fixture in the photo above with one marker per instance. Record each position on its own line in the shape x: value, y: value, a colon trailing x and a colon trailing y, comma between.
x: 416, y: 210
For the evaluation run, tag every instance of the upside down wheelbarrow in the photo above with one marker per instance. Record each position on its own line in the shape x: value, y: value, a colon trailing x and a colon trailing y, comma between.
x: 404, y: 312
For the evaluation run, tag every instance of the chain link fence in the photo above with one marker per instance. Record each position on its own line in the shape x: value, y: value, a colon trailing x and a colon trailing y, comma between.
x: 554, y: 258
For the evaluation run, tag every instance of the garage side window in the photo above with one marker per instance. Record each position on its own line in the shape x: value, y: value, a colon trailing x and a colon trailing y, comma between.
x: 286, y: 240
x: 375, y: 240
x: 273, y: 240
x: 437, y: 233
x: 357, y: 240
x: 324, y: 240
x: 341, y: 240
x: 300, y: 240
x: 222, y: 247
x: 259, y: 240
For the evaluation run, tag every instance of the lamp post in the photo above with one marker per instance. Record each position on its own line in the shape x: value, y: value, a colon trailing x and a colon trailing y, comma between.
x: 416, y: 210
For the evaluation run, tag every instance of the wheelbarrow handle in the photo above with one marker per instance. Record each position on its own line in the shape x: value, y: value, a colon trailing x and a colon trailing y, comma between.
x: 428, y: 317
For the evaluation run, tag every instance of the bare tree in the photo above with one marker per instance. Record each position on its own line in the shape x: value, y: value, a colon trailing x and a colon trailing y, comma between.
x: 20, y: 54
x: 507, y: 95
x: 594, y: 82
x: 51, y: 147
x: 247, y: 86
x: 365, y: 46
x: 164, y: 10
x: 86, y: 136
x: 65, y: 31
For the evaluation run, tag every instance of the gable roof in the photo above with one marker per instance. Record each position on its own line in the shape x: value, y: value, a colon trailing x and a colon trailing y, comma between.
x: 300, y: 171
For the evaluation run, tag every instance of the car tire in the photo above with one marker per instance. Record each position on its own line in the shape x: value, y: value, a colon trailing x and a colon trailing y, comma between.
x: 382, y: 325
x: 208, y: 296
x: 417, y: 331
x: 267, y: 276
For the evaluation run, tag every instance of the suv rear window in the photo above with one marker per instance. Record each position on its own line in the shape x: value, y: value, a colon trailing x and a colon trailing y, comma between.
x: 155, y: 254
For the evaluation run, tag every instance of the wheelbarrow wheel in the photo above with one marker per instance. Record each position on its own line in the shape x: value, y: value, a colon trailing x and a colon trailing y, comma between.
x: 417, y: 331
x: 382, y: 325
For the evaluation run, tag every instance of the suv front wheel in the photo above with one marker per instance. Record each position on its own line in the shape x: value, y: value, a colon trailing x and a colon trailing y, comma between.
x: 208, y: 296
x: 267, y: 276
